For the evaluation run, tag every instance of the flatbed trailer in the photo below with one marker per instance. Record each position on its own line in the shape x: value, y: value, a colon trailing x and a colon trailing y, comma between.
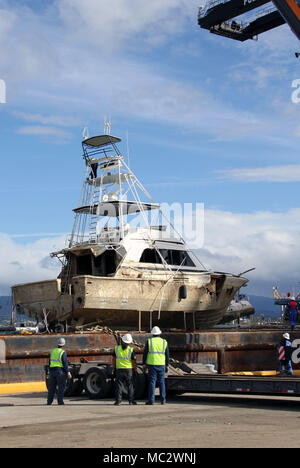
x: 97, y: 379
x: 233, y: 384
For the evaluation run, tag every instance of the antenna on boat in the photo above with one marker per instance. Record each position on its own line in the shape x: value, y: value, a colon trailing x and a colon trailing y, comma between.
x: 107, y: 125
x: 85, y: 133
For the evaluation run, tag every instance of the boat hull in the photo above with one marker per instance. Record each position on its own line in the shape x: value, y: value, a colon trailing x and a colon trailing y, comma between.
x: 131, y: 302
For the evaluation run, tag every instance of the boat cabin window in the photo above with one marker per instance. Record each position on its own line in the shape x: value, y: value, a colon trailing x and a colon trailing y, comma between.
x: 171, y: 257
x: 150, y: 256
x: 106, y: 263
x: 103, y: 265
x: 84, y: 265
x: 177, y: 257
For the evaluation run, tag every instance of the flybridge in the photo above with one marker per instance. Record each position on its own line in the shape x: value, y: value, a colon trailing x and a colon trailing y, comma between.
x: 225, y: 18
x: 106, y: 194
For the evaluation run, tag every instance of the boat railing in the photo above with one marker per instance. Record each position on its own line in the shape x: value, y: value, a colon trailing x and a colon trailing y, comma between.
x: 114, y: 235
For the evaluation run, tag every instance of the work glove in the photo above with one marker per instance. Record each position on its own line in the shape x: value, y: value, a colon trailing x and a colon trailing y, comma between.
x: 69, y: 375
x: 167, y: 369
x: 144, y: 367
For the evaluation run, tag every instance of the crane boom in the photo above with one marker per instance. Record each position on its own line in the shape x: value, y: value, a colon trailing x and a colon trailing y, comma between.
x: 225, y: 17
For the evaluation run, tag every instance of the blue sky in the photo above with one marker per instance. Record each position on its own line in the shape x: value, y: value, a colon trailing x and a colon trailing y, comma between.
x: 208, y: 120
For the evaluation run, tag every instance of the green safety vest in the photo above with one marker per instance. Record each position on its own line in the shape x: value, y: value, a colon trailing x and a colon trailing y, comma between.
x: 156, y: 352
x: 123, y: 357
x: 56, y: 357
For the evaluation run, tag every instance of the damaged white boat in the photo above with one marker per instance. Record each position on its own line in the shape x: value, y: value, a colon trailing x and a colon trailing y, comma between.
x: 120, y: 275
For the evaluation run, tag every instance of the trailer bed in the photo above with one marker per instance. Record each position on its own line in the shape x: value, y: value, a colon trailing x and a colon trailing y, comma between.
x: 232, y: 384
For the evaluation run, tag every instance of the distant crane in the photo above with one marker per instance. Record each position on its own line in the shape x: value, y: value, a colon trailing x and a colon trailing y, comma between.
x: 220, y: 17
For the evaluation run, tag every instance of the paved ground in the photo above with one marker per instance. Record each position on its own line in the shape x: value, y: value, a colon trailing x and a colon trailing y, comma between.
x: 189, y: 421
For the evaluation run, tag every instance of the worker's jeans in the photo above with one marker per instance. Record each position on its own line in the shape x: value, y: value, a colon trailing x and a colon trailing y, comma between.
x: 156, y: 373
x: 124, y: 376
x: 293, y: 318
x: 286, y: 366
x: 57, y: 380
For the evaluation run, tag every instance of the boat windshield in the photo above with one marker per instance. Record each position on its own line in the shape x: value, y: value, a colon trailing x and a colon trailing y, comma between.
x: 171, y: 257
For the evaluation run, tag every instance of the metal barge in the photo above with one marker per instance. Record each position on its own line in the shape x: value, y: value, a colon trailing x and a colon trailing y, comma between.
x: 228, y: 350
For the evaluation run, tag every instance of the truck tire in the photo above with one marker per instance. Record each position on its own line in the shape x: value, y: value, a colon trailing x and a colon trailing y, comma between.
x: 77, y: 388
x: 96, y: 383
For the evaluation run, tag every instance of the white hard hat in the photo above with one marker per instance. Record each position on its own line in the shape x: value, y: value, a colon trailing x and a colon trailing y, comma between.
x: 127, y: 339
x: 156, y: 331
x: 286, y: 336
x: 61, y: 342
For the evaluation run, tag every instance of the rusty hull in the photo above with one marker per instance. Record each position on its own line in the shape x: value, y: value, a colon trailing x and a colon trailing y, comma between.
x: 228, y: 350
x: 117, y: 301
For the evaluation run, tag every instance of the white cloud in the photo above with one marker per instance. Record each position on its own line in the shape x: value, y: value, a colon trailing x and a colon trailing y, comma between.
x: 259, y: 74
x: 81, y: 63
x: 120, y: 24
x: 46, y: 131
x: 60, y: 120
x: 23, y: 263
x: 280, y: 173
x: 265, y: 240
x: 82, y: 58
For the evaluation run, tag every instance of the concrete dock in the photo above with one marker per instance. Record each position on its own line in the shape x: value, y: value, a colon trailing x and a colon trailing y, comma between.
x: 187, y: 421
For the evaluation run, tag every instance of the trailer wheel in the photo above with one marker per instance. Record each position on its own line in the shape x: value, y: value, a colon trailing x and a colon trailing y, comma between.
x: 77, y: 387
x: 95, y: 383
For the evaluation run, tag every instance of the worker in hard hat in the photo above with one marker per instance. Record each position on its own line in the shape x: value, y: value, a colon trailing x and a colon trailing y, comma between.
x: 284, y: 355
x: 59, y: 372
x: 124, y: 362
x: 156, y: 358
x: 292, y: 312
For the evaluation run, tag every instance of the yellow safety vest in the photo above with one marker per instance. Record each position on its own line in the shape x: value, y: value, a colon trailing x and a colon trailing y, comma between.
x: 156, y: 352
x: 56, y: 357
x: 123, y: 357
